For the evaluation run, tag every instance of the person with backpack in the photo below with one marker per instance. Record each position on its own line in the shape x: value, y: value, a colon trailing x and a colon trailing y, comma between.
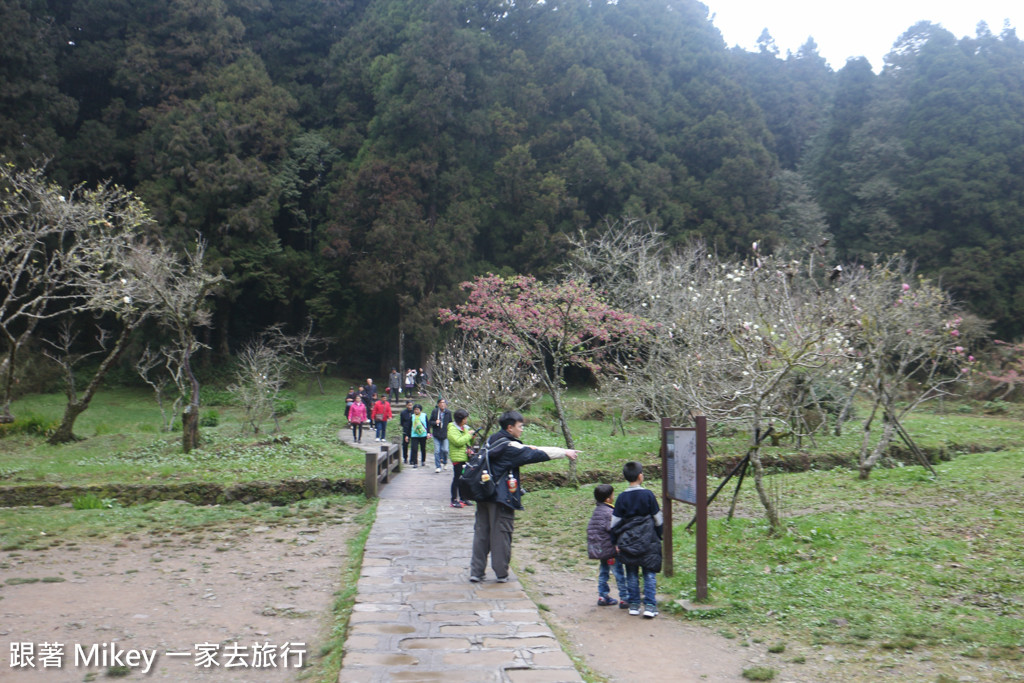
x: 636, y: 527
x: 495, y: 519
x: 440, y: 418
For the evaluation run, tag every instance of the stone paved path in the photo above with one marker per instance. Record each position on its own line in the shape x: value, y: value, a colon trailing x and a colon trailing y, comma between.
x: 417, y: 617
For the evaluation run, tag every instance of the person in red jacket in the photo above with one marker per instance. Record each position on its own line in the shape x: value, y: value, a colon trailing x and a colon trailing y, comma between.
x: 380, y: 416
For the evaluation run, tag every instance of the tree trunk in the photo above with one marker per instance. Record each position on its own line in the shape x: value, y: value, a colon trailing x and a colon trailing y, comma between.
x: 190, y: 416
x: 75, y: 407
x: 769, y: 505
x: 554, y: 388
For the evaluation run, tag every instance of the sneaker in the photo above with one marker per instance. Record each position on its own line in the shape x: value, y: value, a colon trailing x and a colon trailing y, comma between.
x: 475, y: 579
x: 466, y: 503
x: 414, y: 465
x: 650, y: 612
x: 444, y: 467
x: 456, y: 504
x: 437, y: 470
x: 634, y: 610
x: 623, y: 604
x: 502, y: 579
x: 606, y: 602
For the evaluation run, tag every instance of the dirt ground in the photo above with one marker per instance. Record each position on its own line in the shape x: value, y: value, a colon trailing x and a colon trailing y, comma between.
x: 624, y: 648
x: 240, y: 590
x: 241, y: 593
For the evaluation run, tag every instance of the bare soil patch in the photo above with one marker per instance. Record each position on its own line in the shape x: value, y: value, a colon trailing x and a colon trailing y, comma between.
x: 234, y: 587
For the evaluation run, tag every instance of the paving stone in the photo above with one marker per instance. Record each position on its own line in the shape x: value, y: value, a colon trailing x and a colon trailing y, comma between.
x: 520, y: 642
x: 416, y: 617
x: 543, y: 676
x: 434, y: 644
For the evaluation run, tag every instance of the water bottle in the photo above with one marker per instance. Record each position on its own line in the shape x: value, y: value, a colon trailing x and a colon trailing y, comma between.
x: 512, y: 483
x: 485, y: 476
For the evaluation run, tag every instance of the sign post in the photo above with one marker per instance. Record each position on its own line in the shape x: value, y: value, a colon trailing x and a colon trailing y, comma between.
x: 684, y: 467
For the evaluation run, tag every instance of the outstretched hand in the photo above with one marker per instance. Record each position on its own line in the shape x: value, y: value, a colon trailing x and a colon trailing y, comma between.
x: 572, y: 454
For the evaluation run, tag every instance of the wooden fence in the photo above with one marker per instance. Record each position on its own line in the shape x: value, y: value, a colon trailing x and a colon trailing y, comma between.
x: 381, y: 466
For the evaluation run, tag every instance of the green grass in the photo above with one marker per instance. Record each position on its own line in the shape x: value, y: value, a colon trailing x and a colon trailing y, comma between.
x: 123, y: 445
x: 897, y: 562
x: 33, y: 528
x: 937, y: 429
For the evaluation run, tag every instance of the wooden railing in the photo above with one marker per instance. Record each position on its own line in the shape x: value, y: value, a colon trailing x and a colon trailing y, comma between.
x: 380, y: 467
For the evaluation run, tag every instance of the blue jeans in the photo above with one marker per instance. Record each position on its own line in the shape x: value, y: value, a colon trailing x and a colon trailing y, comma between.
x: 382, y: 428
x: 633, y: 586
x: 440, y: 451
x: 603, y: 589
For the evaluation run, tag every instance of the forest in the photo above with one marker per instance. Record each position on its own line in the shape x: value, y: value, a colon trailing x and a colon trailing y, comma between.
x: 351, y: 162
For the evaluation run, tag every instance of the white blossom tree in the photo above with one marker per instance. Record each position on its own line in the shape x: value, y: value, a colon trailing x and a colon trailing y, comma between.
x: 480, y: 375
x: 59, y: 252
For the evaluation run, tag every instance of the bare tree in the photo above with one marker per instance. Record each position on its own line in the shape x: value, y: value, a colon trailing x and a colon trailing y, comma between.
x: 481, y: 376
x: 181, y: 286
x: 305, y: 351
x: 259, y: 378
x: 155, y: 369
x: 56, y: 251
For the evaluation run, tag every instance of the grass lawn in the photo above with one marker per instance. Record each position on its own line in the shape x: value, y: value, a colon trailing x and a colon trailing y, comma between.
x: 901, y: 562
x: 123, y: 444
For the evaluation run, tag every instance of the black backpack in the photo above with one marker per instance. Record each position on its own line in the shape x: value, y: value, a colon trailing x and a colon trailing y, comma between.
x: 471, y: 484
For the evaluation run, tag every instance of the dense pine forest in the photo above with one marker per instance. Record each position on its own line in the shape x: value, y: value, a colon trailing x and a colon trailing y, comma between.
x: 353, y: 161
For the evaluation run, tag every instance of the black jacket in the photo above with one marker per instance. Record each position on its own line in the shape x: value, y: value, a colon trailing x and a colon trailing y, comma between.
x: 439, y: 433
x: 405, y: 419
x: 509, y: 457
x: 639, y: 543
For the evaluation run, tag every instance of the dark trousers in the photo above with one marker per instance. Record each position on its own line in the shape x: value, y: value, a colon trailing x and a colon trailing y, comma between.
x: 357, y: 431
x: 492, y: 534
x: 456, y: 473
x: 405, y: 448
x: 419, y: 442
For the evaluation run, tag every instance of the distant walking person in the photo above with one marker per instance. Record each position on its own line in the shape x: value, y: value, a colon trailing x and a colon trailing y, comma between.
x: 356, y: 419
x: 380, y: 416
x: 405, y: 421
x: 394, y: 385
x: 410, y: 383
x: 418, y: 436
x: 492, y: 528
x: 460, y: 436
x: 440, y: 418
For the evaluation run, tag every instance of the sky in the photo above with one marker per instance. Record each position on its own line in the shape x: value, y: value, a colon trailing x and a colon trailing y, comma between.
x: 865, y: 28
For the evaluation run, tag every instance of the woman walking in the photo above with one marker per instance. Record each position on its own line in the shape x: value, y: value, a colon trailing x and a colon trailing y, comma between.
x: 460, y: 435
x: 418, y: 435
x: 356, y: 418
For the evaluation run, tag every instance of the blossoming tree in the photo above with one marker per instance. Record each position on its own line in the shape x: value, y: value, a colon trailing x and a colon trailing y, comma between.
x: 550, y: 326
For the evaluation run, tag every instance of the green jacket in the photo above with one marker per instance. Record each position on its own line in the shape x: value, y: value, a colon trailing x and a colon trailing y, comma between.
x: 457, y: 442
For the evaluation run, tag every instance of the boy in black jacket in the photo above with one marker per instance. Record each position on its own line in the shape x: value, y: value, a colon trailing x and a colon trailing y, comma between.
x: 601, y: 547
x: 637, y: 526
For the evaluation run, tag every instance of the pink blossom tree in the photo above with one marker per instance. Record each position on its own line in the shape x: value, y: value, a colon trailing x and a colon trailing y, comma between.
x: 549, y: 326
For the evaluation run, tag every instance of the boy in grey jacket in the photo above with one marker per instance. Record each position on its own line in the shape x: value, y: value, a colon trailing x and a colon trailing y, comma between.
x: 601, y: 547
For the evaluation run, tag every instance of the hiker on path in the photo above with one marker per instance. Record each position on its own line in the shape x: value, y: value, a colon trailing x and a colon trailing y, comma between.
x: 495, y: 520
x: 460, y: 436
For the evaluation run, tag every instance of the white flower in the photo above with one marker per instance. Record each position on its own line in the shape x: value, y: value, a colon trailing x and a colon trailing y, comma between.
x: 127, y: 299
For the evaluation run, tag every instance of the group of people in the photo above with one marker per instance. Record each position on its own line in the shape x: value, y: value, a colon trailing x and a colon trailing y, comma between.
x: 364, y: 406
x: 623, y: 534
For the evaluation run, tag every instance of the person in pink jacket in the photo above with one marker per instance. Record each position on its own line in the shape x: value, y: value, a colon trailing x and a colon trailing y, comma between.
x: 356, y: 419
x: 380, y: 416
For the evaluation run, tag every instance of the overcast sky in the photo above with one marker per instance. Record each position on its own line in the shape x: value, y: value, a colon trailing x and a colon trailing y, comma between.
x: 850, y: 29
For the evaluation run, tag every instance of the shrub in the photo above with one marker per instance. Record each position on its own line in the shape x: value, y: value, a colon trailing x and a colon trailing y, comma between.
x: 285, y: 405
x: 209, y: 396
x: 759, y: 673
x: 211, y: 418
x: 29, y: 424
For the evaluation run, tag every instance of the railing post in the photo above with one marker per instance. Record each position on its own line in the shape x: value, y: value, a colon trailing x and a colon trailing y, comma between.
x: 371, y: 475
